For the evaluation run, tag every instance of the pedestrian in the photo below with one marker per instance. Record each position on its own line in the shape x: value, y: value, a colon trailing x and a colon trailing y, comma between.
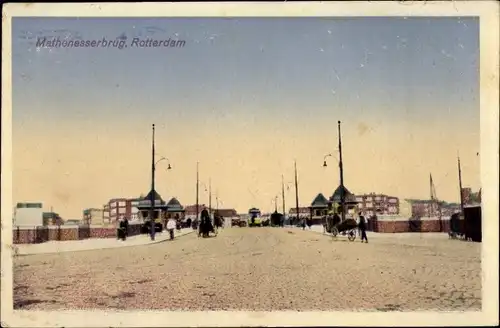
x: 357, y: 218
x: 122, y: 229
x: 125, y: 226
x: 178, y: 223
x: 362, y: 228
x: 171, y: 225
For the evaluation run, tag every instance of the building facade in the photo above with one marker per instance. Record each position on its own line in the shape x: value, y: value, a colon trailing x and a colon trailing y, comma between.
x: 52, y: 219
x: 373, y: 203
x: 122, y: 207
x: 190, y: 211
x: 432, y: 208
x: 28, y: 214
x: 304, y: 212
x: 94, y: 216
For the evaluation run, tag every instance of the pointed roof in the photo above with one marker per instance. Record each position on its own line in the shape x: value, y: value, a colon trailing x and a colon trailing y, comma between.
x: 337, y: 194
x: 320, y: 201
x: 174, y: 203
x: 156, y: 195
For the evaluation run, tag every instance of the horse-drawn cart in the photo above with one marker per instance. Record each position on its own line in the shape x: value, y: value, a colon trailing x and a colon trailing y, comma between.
x: 347, y: 228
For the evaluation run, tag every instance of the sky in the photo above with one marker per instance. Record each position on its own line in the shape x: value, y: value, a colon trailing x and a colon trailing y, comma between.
x: 244, y: 97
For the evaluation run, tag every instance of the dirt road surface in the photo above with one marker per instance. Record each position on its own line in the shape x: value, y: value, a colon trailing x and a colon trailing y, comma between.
x: 257, y: 269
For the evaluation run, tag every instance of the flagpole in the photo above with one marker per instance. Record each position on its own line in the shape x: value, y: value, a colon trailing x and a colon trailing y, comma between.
x: 210, y: 197
x: 296, y: 191
x: 460, y: 185
x: 197, y: 190
x: 283, y: 194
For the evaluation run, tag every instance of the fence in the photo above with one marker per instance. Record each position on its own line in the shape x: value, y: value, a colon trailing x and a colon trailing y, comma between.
x: 398, y: 224
x: 41, y: 234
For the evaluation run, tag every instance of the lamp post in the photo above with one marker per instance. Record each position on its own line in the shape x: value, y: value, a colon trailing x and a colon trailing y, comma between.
x: 209, y: 190
x: 197, y: 191
x: 296, y: 191
x: 341, y: 166
x: 283, y: 192
x: 283, y: 183
x: 153, y: 192
x: 460, y: 186
x: 341, y: 169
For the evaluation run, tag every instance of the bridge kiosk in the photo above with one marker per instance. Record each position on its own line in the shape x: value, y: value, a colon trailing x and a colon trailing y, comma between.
x: 335, y: 201
x: 159, y: 213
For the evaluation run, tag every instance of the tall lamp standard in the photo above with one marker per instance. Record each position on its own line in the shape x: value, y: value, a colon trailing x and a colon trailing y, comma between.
x: 341, y: 168
x: 153, y: 192
x: 296, y: 191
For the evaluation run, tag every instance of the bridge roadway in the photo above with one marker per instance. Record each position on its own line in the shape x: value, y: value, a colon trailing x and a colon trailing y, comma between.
x: 257, y: 269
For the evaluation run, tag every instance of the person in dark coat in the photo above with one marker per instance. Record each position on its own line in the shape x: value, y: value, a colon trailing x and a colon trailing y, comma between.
x: 336, y: 219
x: 178, y: 226
x: 362, y: 228
x: 125, y: 226
x: 122, y: 229
x: 309, y: 223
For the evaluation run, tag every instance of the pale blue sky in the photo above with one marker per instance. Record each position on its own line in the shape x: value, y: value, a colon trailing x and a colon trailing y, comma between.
x: 402, y: 66
x: 245, y: 96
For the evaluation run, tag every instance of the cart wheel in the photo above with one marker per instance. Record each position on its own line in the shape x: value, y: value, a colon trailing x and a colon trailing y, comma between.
x: 352, y: 235
x: 335, y: 231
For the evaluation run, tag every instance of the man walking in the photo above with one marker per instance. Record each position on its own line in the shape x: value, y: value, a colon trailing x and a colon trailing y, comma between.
x: 171, y: 225
x: 362, y: 227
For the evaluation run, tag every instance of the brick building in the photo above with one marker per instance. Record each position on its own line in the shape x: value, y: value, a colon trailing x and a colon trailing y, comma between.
x: 374, y: 203
x: 471, y: 198
x: 304, y: 212
x: 190, y: 211
x: 126, y: 207
x: 432, y: 208
x: 52, y: 219
x: 94, y: 216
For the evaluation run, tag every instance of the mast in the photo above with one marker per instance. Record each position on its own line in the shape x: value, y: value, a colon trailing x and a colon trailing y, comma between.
x: 296, y: 191
x: 197, y: 190
x: 283, y: 192
x: 217, y: 202
x: 431, y: 212
x: 210, y: 197
x: 341, y: 167
x: 436, y: 206
x: 276, y: 204
x: 460, y: 186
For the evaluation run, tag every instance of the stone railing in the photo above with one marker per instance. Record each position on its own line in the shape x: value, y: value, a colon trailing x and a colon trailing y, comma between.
x: 41, y: 234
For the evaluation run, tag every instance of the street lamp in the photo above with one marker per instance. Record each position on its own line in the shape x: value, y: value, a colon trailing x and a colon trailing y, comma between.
x: 169, y: 167
x: 153, y: 192
x: 341, y: 168
x: 283, y: 184
x: 209, y: 190
x: 324, y: 159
